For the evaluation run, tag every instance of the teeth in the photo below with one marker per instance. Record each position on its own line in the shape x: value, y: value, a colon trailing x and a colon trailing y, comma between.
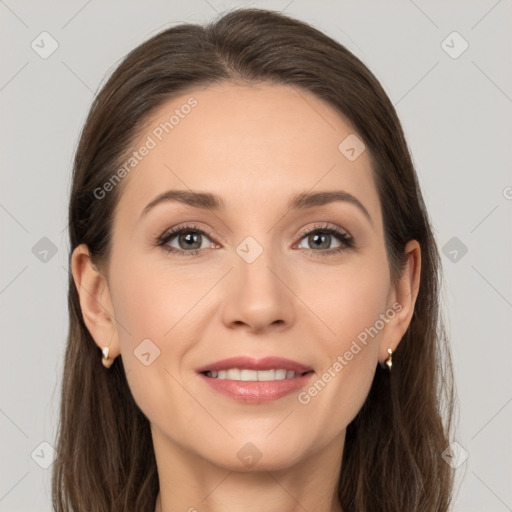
x: 252, y: 375
x: 248, y: 375
x: 233, y: 374
x: 266, y: 375
x: 280, y: 374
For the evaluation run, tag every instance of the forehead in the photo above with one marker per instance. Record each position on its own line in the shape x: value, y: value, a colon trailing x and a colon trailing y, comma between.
x: 254, y: 145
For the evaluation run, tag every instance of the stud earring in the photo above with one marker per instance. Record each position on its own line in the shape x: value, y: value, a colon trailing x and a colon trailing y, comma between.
x: 107, y: 362
x: 389, y: 360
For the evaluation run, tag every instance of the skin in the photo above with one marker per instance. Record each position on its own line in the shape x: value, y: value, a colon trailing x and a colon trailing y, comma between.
x: 255, y: 146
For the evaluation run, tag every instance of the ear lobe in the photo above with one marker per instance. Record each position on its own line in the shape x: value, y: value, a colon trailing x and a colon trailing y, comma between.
x: 95, y: 300
x: 405, y: 295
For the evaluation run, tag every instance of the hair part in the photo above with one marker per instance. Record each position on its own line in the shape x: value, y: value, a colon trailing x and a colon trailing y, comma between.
x: 392, y: 456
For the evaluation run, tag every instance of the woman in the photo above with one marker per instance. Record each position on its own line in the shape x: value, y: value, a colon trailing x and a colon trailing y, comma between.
x: 252, y: 262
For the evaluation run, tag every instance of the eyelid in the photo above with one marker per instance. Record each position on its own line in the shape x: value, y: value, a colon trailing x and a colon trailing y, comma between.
x: 346, y: 240
x: 174, y: 231
x: 326, y: 226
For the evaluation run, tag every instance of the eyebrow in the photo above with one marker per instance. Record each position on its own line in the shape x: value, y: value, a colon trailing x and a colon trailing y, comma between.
x: 212, y: 202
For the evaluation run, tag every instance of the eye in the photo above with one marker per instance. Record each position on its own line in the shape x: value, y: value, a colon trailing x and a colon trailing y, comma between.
x: 189, y: 239
x: 320, y: 240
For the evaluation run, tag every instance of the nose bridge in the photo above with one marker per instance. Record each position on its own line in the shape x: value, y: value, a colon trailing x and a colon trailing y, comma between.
x: 257, y: 295
x: 253, y: 264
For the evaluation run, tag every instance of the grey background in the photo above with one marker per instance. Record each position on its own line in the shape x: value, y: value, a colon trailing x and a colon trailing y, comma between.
x: 456, y: 113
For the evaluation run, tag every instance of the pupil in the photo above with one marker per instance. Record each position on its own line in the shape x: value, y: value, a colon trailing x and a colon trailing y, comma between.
x: 322, y: 238
x: 191, y: 238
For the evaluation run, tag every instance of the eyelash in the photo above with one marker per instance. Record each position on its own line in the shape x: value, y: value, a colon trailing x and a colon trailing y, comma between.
x: 347, y: 242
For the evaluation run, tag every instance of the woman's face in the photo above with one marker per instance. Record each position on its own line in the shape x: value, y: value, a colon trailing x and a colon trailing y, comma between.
x: 259, y: 273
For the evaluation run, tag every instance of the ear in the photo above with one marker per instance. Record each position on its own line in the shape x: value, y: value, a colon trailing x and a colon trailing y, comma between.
x: 95, y: 300
x: 403, y: 298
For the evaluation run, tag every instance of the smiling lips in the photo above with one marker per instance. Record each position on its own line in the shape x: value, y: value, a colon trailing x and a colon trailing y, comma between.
x: 250, y: 380
x: 246, y: 375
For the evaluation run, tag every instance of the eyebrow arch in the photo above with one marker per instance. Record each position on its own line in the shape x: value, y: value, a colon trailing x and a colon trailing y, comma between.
x: 311, y: 199
x: 202, y: 200
x: 212, y: 202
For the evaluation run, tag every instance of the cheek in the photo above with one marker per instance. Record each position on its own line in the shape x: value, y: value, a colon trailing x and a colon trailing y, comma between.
x: 347, y: 300
x: 145, y: 311
x: 350, y: 303
x: 155, y: 309
x: 150, y: 299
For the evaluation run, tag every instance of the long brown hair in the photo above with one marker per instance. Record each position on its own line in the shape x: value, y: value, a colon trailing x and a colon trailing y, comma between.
x: 392, y: 458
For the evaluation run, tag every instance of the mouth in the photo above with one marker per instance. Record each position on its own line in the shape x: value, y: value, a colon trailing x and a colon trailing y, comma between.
x: 247, y: 375
x: 255, y: 381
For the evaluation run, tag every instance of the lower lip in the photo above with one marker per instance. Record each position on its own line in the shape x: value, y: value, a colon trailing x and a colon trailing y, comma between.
x: 256, y: 392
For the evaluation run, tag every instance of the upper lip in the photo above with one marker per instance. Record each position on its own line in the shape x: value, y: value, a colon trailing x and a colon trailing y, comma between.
x: 251, y: 363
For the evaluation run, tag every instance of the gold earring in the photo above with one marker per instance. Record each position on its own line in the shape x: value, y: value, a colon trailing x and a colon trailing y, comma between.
x: 107, y: 362
x: 389, y: 360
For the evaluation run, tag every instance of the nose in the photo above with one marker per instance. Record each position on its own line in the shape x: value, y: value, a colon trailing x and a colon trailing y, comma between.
x: 258, y: 295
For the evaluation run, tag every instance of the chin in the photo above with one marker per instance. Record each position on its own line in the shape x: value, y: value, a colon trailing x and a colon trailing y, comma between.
x: 257, y: 453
